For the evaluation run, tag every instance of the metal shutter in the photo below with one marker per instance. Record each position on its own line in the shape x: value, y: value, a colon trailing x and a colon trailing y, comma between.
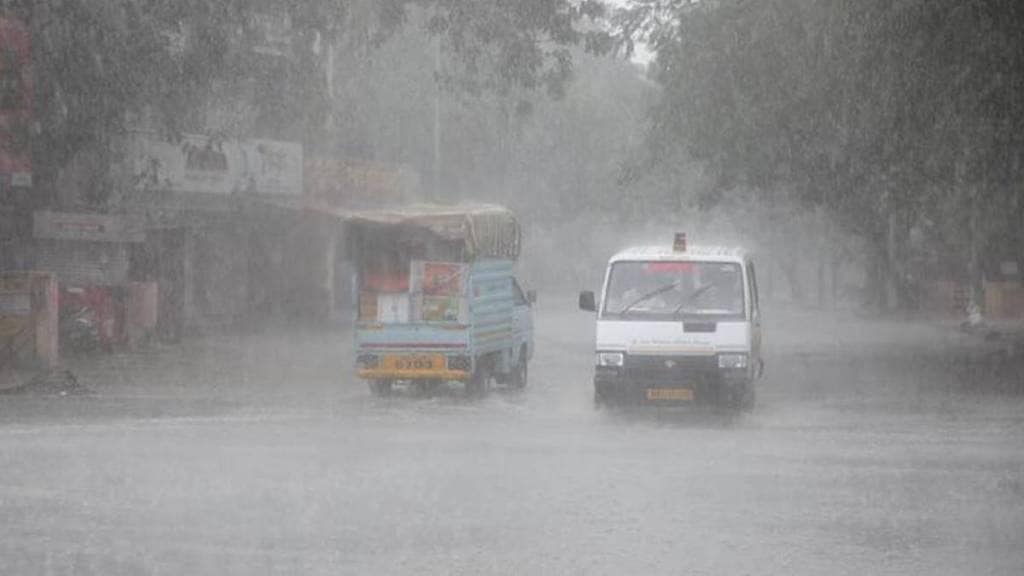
x: 83, y: 263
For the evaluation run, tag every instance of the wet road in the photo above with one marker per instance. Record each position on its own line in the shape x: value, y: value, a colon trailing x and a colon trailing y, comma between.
x: 253, y: 458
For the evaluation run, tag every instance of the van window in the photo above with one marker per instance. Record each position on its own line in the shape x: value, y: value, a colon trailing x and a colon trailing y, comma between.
x: 674, y: 290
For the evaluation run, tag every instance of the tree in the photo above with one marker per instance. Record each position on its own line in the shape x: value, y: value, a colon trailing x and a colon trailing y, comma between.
x: 104, y: 64
x: 881, y: 112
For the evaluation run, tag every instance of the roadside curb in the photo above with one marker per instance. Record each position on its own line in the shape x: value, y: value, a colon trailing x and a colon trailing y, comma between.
x: 49, y: 382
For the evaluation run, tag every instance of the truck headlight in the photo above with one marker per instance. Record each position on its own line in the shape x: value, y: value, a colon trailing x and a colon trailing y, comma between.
x: 615, y: 359
x: 732, y: 360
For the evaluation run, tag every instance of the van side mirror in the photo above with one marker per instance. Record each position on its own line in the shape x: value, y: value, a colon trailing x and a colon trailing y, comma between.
x: 587, y: 301
x: 531, y: 296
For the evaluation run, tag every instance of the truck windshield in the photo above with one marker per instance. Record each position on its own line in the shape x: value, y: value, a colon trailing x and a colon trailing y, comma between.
x: 674, y: 290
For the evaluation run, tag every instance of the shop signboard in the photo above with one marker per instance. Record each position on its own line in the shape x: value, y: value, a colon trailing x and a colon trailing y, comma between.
x: 270, y: 33
x: 358, y: 184
x: 272, y: 167
x: 202, y: 165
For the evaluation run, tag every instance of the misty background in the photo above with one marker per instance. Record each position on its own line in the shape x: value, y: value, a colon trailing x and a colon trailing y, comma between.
x: 868, y: 153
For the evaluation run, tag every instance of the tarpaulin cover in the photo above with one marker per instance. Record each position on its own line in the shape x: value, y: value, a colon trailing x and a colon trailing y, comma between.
x: 486, y: 230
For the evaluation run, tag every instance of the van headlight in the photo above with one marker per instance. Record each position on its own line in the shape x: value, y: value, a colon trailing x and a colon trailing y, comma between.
x: 732, y: 360
x: 611, y: 359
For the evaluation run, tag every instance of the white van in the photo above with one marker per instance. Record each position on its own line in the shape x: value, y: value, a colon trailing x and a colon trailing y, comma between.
x: 677, y: 324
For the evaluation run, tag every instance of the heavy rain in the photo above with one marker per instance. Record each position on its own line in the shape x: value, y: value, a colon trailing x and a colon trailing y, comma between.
x: 529, y: 287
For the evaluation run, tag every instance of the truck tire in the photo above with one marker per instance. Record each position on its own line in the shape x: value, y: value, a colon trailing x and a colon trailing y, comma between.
x: 521, y: 374
x: 380, y: 387
x: 428, y: 387
x: 479, y: 383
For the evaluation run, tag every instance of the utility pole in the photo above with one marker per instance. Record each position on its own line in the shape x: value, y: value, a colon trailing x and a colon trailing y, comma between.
x: 975, y: 287
x: 437, y: 118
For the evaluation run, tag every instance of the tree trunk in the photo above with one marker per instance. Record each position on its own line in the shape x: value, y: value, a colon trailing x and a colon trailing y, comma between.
x: 977, y: 285
x: 835, y: 265
x: 821, y: 281
x: 878, y: 280
x: 792, y: 273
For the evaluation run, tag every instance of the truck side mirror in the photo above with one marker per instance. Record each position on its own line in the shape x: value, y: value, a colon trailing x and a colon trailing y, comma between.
x: 531, y: 296
x: 587, y: 302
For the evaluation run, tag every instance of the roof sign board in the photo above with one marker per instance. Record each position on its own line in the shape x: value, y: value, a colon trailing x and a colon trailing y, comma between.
x: 198, y: 164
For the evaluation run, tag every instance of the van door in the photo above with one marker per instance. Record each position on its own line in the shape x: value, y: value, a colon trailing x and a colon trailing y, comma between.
x: 755, y: 321
x: 522, y: 322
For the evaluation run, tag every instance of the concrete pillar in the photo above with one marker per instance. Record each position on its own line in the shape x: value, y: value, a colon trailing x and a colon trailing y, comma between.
x: 45, y: 314
x: 330, y: 272
x: 188, y: 279
x: 141, y: 311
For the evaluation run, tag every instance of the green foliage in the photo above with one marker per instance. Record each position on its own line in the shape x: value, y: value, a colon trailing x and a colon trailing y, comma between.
x: 104, y: 62
x: 883, y: 112
x: 546, y: 157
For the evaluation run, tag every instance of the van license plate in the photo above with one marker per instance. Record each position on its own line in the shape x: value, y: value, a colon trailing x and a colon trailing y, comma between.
x: 670, y: 394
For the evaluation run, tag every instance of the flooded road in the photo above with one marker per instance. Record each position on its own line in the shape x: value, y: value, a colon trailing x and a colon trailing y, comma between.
x: 265, y: 459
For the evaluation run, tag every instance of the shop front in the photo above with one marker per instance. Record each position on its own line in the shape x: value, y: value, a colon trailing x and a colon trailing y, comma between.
x: 101, y: 307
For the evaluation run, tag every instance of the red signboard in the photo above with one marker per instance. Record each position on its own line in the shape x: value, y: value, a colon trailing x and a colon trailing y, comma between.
x: 16, y: 104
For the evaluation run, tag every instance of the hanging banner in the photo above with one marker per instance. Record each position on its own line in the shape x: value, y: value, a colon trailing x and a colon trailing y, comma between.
x: 441, y: 287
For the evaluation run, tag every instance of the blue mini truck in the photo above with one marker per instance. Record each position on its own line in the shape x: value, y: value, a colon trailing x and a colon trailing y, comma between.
x: 438, y: 298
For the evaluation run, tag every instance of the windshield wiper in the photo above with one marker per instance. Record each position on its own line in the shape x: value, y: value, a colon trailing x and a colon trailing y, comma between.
x: 648, y: 296
x: 693, y: 296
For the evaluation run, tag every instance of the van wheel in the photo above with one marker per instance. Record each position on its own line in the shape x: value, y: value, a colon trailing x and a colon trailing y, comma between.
x: 380, y: 387
x: 521, y: 374
x: 748, y: 399
x: 742, y: 399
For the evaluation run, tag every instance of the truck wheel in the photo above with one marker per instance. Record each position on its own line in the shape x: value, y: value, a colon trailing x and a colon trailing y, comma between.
x: 380, y: 387
x: 428, y: 387
x: 521, y: 374
x: 478, y: 384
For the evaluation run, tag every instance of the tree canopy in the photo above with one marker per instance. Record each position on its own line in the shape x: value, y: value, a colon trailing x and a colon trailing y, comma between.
x: 889, y: 114
x: 163, y: 62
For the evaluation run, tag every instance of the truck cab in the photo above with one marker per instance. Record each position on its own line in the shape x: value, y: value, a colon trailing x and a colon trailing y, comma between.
x: 677, y: 325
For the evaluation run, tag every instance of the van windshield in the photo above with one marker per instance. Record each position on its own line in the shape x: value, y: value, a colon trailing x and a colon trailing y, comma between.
x: 674, y: 290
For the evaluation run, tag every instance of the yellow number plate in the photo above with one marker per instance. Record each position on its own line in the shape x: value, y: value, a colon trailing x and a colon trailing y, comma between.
x: 669, y: 394
x: 413, y: 363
